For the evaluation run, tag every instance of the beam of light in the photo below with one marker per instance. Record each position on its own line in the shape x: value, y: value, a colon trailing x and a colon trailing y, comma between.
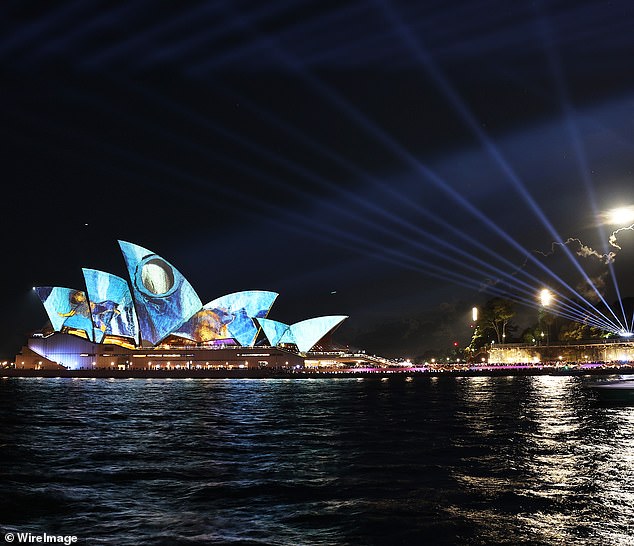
x: 181, y: 47
x: 562, y: 306
x: 527, y: 254
x: 349, y: 212
x: 458, y: 104
x: 88, y: 27
x: 29, y: 33
x: 561, y: 309
x: 339, y: 238
x: 357, y: 244
x: 334, y: 235
x: 582, y: 316
x: 554, y: 64
x: 384, y: 188
x: 394, y: 258
x: 455, y: 261
x: 583, y: 272
x: 274, y: 214
x: 259, y: 150
x: 382, y: 45
x: 443, y: 275
x: 122, y: 47
x: 575, y: 311
x: 395, y: 147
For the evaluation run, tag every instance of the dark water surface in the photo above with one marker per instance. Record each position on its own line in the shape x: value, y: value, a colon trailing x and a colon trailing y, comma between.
x: 518, y: 460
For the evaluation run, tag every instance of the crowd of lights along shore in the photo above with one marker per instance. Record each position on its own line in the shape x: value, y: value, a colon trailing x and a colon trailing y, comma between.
x: 159, y: 302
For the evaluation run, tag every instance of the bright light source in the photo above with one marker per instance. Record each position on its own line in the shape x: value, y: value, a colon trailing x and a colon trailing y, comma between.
x: 625, y: 333
x: 621, y: 216
x: 474, y: 314
x: 545, y: 297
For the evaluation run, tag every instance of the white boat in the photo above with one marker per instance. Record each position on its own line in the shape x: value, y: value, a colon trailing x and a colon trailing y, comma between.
x: 619, y: 391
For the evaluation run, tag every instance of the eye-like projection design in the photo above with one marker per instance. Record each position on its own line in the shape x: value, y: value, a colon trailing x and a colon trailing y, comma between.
x: 164, y: 298
x: 157, y: 277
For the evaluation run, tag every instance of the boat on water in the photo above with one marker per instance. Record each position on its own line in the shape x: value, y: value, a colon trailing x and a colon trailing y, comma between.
x: 618, y: 391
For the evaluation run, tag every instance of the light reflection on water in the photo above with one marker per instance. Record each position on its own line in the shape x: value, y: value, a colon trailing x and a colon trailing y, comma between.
x: 564, y: 466
x: 488, y: 460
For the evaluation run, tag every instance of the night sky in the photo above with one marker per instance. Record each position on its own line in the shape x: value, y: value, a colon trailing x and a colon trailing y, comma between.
x: 397, y: 162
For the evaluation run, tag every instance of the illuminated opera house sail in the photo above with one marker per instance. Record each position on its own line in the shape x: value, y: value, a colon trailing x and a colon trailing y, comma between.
x: 156, y: 319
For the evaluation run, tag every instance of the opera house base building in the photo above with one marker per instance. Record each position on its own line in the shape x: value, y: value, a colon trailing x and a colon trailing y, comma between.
x: 64, y: 351
x: 156, y: 322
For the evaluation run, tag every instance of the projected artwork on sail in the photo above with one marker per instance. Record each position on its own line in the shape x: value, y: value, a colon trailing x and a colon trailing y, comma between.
x: 67, y: 308
x: 230, y: 317
x: 304, y: 334
x: 164, y: 298
x: 111, y: 305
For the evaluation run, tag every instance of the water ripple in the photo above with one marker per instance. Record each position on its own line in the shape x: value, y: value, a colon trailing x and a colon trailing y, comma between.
x: 525, y: 460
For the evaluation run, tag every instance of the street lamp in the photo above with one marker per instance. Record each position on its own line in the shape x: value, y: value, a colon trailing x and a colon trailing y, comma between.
x: 545, y: 297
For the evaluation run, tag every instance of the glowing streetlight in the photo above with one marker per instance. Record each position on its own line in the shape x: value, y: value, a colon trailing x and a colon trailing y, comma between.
x: 545, y: 297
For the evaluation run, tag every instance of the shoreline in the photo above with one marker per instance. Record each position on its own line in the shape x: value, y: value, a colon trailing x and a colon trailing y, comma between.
x: 310, y: 374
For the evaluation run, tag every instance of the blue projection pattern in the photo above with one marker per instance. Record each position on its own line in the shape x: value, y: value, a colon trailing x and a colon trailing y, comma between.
x: 273, y: 330
x: 165, y: 299
x: 304, y: 334
x: 111, y: 305
x: 230, y: 317
x: 67, y: 308
x: 160, y: 302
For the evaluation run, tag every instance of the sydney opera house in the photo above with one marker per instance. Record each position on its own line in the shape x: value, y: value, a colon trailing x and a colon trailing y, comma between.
x: 157, y: 321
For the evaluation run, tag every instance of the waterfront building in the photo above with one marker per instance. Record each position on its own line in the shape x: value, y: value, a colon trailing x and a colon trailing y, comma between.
x: 606, y: 350
x: 155, y: 320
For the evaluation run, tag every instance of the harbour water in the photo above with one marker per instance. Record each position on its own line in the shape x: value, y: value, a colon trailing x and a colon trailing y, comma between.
x: 354, y: 461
